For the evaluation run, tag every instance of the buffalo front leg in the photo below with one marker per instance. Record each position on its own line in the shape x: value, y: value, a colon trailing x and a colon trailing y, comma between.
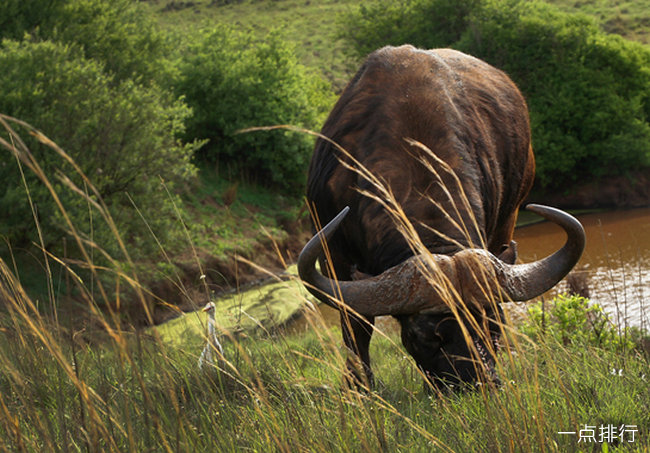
x: 357, y: 332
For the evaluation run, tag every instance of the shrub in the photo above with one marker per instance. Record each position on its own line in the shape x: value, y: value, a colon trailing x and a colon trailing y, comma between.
x: 121, y: 134
x: 232, y: 82
x: 573, y: 319
x: 425, y: 23
x: 119, y: 33
x: 588, y: 92
x: 18, y: 17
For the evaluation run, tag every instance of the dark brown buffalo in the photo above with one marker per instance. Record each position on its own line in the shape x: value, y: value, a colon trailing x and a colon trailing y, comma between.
x: 474, y: 120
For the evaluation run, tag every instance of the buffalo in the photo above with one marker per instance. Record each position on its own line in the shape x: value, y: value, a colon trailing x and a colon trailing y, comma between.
x: 438, y: 143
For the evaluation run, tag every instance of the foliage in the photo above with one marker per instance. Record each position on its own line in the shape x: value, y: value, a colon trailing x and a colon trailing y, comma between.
x: 118, y: 33
x: 121, y: 134
x: 588, y: 92
x: 18, y: 17
x: 574, y: 319
x: 232, y: 82
x: 425, y: 23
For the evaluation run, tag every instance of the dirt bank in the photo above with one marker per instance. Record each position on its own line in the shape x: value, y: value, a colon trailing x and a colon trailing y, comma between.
x: 222, y: 276
x: 621, y: 192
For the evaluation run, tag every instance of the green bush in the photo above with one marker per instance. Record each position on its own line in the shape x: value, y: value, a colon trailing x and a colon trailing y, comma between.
x: 573, y: 319
x: 121, y: 134
x: 119, y: 33
x: 588, y: 92
x: 18, y: 17
x: 232, y: 82
x: 424, y: 23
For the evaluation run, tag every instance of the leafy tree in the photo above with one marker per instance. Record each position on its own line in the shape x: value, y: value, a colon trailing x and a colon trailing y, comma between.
x: 119, y: 33
x: 18, y: 17
x: 232, y: 82
x: 121, y: 134
x: 588, y: 92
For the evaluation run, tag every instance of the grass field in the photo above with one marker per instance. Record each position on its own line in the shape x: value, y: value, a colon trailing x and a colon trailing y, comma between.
x: 630, y: 19
x: 99, y: 386
x: 135, y: 391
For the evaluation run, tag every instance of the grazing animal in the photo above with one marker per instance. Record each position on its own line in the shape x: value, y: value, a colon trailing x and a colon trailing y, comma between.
x: 448, y: 136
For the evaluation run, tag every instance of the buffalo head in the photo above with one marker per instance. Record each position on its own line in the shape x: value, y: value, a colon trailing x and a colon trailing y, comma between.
x: 448, y: 306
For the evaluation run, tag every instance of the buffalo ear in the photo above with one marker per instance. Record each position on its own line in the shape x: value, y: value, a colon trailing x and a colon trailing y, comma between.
x: 508, y: 253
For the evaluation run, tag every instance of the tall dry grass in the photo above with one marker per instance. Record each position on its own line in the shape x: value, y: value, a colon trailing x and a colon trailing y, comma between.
x: 62, y: 389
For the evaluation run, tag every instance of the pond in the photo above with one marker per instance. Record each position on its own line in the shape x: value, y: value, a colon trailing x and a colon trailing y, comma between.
x: 613, y: 271
x: 615, y: 267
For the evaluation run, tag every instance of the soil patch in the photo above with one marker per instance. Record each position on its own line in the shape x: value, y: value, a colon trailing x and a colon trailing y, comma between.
x: 224, y: 276
x: 620, y: 192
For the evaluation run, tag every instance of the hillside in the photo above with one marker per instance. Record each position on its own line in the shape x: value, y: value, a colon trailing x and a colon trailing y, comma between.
x: 315, y: 29
x: 313, y: 26
x: 134, y: 190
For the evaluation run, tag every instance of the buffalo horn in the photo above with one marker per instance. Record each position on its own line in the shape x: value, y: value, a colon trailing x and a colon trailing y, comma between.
x: 524, y: 281
x: 405, y: 289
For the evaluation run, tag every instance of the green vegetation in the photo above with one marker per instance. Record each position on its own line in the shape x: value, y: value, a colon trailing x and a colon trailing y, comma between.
x: 573, y: 319
x: 588, y: 92
x: 119, y: 134
x: 232, y: 83
x: 276, y: 391
x: 119, y: 33
x: 312, y: 26
x: 102, y: 88
x: 628, y: 18
x: 90, y: 86
x: 147, y: 84
x: 267, y: 308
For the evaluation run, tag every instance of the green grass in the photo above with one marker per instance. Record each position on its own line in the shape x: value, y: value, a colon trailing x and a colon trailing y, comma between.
x: 262, y: 308
x: 251, y: 216
x: 98, y: 387
x: 630, y: 19
x: 283, y: 392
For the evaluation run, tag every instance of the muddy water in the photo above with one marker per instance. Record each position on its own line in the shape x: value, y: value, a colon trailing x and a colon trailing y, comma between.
x: 613, y: 271
x: 615, y: 267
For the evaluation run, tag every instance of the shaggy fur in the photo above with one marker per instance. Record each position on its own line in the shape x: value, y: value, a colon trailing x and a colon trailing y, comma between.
x: 471, y: 116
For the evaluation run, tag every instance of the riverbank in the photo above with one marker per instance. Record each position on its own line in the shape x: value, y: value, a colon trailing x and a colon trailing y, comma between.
x: 620, y: 192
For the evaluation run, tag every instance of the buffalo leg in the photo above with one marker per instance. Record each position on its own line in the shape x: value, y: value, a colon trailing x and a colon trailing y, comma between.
x: 356, y: 336
x: 357, y: 330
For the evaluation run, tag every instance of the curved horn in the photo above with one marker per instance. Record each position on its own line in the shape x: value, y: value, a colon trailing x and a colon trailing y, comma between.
x: 406, y: 288
x: 525, y: 281
x: 321, y: 287
x: 402, y: 289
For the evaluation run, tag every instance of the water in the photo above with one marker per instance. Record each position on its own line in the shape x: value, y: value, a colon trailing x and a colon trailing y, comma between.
x: 615, y: 267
